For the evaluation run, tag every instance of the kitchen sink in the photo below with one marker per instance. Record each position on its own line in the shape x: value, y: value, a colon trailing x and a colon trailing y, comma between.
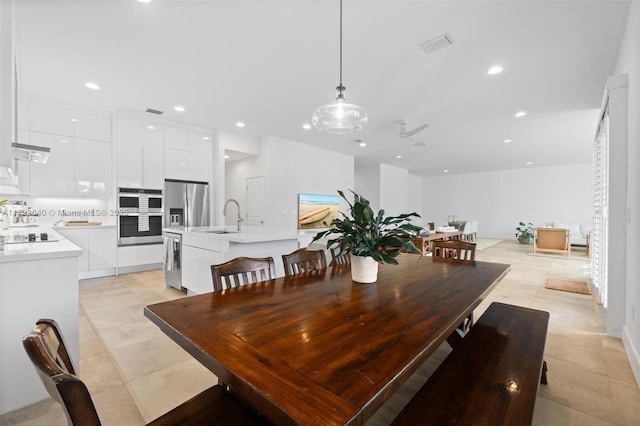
x: 220, y: 231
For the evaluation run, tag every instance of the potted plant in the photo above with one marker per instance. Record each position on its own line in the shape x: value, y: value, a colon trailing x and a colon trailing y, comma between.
x: 370, y: 238
x: 525, y: 232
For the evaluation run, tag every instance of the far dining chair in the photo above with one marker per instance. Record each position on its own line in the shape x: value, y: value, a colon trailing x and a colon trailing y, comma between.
x: 467, y: 231
x: 46, y: 348
x: 338, y: 258
x: 303, y: 260
x: 241, y: 271
x: 460, y: 251
x: 456, y: 251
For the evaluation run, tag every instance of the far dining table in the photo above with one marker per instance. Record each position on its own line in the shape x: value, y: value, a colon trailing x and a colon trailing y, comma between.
x: 319, y: 349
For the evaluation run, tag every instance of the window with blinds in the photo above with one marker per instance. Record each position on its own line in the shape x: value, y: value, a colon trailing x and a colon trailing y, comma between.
x: 599, y: 233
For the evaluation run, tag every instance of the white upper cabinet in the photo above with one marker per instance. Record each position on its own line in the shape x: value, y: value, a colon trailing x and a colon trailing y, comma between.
x: 92, y: 126
x: 92, y: 163
x: 127, y: 129
x: 175, y: 164
x: 198, y: 166
x: 56, y: 177
x: 176, y: 138
x: 48, y: 119
x: 152, y: 167
x: 128, y: 164
x: 151, y: 133
x: 199, y: 142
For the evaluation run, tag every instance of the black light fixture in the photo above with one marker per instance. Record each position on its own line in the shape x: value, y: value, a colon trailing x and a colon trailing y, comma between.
x: 339, y: 117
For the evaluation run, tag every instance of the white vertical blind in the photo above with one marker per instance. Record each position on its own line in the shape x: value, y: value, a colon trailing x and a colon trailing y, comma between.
x: 599, y: 235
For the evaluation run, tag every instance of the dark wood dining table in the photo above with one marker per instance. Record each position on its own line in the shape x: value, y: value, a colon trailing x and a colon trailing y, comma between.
x: 319, y: 349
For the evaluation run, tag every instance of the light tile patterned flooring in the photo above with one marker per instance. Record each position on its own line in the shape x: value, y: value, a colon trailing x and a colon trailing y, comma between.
x: 135, y: 373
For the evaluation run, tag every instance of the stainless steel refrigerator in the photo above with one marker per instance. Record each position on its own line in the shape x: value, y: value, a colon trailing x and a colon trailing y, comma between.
x: 186, y: 204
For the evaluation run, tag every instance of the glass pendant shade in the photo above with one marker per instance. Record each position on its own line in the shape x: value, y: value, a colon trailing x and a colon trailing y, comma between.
x: 339, y: 117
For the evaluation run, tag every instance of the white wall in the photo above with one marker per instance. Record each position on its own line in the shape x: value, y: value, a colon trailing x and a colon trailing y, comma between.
x: 499, y: 200
x: 394, y: 190
x: 293, y: 168
x: 236, y: 174
x: 629, y: 63
x: 367, y: 184
x: 416, y: 196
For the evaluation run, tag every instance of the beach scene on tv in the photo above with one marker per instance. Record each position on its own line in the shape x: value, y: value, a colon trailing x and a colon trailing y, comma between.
x: 316, y: 210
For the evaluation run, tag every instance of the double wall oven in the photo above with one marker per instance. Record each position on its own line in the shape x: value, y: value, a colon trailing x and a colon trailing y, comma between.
x: 141, y: 217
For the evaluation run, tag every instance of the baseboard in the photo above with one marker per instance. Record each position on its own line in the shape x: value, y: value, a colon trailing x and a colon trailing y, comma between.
x: 107, y: 272
x: 139, y: 268
x: 632, y: 353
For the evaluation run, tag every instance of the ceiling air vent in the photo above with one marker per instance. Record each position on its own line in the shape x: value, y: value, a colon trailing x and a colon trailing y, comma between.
x: 437, y: 43
x: 154, y: 111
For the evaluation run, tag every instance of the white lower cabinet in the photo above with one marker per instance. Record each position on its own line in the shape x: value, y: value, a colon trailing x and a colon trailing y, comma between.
x: 98, y: 246
x: 196, y: 268
x: 139, y: 258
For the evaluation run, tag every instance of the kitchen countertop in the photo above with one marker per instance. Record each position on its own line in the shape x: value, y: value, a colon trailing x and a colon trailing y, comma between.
x: 248, y: 234
x: 17, y: 252
x: 67, y: 228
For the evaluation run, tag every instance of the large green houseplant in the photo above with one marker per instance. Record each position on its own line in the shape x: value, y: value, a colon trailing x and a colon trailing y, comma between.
x: 366, y: 235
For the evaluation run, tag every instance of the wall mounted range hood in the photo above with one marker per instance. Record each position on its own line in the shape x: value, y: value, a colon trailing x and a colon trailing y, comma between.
x: 37, y: 154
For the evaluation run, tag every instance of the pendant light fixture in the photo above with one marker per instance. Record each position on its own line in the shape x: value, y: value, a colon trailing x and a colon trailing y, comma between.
x: 339, y: 117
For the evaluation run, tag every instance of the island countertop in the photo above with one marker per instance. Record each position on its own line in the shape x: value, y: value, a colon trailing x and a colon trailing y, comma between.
x: 248, y: 234
x: 57, y: 246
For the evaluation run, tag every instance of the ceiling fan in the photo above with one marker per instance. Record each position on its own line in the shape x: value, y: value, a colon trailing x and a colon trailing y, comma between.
x: 408, y: 134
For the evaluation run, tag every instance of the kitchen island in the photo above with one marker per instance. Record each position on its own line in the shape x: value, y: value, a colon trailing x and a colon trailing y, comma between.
x: 206, y: 246
x: 37, y: 280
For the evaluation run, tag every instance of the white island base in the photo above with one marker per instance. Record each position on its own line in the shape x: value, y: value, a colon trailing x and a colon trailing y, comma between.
x: 37, y: 280
x: 201, y: 249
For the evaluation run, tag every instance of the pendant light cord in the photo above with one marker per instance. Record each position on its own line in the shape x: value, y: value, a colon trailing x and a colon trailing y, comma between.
x: 340, y: 43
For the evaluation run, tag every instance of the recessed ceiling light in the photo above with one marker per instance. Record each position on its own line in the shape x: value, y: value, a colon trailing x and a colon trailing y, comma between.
x: 496, y: 69
x: 508, y: 141
x: 398, y: 156
x: 144, y: 1
x: 240, y: 124
x: 151, y: 127
x: 91, y: 85
x: 446, y: 171
x: 73, y: 120
x: 206, y: 138
x: 529, y: 163
x: 362, y: 144
x: 64, y: 141
x: 226, y: 157
x: 520, y: 114
x: 178, y: 108
x: 306, y: 126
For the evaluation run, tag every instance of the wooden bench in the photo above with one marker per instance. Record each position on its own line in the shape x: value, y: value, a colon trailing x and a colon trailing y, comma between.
x: 491, y: 377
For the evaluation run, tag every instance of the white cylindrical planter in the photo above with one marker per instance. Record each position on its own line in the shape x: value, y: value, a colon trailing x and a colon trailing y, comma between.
x: 364, y: 270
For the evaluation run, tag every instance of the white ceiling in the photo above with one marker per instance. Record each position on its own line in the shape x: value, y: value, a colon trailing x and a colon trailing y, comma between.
x: 271, y: 63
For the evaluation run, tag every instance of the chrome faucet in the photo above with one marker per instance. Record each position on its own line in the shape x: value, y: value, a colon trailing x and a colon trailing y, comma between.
x: 224, y: 210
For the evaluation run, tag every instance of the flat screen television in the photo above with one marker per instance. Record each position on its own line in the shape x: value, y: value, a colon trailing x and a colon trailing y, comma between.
x: 317, y: 210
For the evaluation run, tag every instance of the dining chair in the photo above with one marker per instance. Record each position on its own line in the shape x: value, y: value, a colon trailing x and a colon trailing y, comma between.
x: 46, y: 348
x: 242, y: 271
x: 455, y: 250
x: 338, y: 258
x: 467, y: 231
x: 303, y: 260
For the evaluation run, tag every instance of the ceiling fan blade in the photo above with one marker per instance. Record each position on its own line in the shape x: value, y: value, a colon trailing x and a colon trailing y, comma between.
x: 416, y: 142
x: 416, y: 130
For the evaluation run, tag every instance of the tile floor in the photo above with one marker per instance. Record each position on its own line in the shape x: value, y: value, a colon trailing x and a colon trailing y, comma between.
x: 135, y: 373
